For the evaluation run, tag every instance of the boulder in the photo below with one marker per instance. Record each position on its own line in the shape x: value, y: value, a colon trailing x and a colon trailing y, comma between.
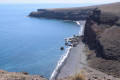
x: 62, y: 48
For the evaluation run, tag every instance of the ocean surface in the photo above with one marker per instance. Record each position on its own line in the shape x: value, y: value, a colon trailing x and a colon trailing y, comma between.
x: 32, y: 44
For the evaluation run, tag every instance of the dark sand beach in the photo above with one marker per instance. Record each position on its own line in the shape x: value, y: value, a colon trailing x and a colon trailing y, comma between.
x: 76, y: 58
x: 75, y: 61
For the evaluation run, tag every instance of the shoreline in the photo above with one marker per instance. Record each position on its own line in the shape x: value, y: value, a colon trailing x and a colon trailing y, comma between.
x: 74, y: 63
x: 101, y: 34
x: 69, y: 56
x: 60, y: 64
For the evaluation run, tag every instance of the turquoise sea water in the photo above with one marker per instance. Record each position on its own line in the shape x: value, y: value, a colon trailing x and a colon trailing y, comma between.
x: 32, y: 44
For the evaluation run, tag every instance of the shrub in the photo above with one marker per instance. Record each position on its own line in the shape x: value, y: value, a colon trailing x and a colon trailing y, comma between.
x: 79, y: 76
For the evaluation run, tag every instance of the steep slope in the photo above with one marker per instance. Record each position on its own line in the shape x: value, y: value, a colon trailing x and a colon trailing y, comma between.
x: 102, y: 34
x: 78, y: 13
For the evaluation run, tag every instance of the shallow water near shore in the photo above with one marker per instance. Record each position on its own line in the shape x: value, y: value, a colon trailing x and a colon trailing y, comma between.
x: 32, y: 44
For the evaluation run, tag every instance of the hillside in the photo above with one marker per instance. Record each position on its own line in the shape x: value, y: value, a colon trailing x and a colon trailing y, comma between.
x: 78, y: 13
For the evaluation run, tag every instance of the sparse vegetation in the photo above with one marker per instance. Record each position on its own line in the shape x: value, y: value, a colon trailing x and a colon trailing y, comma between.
x: 4, y: 75
x: 79, y: 76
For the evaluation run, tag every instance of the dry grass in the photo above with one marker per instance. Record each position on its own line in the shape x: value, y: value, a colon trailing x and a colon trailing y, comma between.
x: 79, y: 76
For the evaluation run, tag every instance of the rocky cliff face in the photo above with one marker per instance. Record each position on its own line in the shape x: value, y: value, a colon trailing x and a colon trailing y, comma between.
x: 102, y: 34
x: 81, y: 14
x: 77, y: 13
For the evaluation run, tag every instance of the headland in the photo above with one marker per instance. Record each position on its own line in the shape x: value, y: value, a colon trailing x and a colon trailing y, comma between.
x: 101, y: 34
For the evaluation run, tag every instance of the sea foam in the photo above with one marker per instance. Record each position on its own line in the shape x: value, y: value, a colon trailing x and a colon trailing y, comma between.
x: 81, y: 31
x: 64, y: 56
x: 60, y: 63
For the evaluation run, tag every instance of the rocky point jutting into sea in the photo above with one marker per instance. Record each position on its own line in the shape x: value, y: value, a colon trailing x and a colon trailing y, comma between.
x: 101, y: 34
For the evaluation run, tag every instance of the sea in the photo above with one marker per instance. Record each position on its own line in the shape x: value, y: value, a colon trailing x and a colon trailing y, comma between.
x: 30, y: 44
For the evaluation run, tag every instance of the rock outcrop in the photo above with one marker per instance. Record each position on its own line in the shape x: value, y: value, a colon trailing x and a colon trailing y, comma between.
x: 77, y: 13
x: 102, y: 34
x: 66, y: 15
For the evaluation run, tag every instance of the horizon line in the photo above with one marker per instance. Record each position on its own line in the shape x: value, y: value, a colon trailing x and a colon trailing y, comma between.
x: 58, y: 3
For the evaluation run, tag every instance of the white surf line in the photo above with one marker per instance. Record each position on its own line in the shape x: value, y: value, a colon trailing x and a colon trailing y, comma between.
x: 60, y: 62
x: 81, y: 31
x: 65, y: 55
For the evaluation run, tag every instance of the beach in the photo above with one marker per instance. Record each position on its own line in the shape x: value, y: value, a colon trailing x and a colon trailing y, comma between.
x: 74, y: 63
x: 75, y: 58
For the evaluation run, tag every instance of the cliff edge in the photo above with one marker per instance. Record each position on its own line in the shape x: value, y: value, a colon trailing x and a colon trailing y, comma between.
x: 76, y: 13
x: 62, y: 15
x: 102, y: 35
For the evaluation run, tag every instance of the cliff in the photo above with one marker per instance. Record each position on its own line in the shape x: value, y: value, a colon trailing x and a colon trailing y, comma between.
x: 102, y: 35
x: 77, y: 13
x: 65, y: 15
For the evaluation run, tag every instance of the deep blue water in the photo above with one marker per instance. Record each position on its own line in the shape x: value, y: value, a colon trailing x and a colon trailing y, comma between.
x: 32, y: 44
